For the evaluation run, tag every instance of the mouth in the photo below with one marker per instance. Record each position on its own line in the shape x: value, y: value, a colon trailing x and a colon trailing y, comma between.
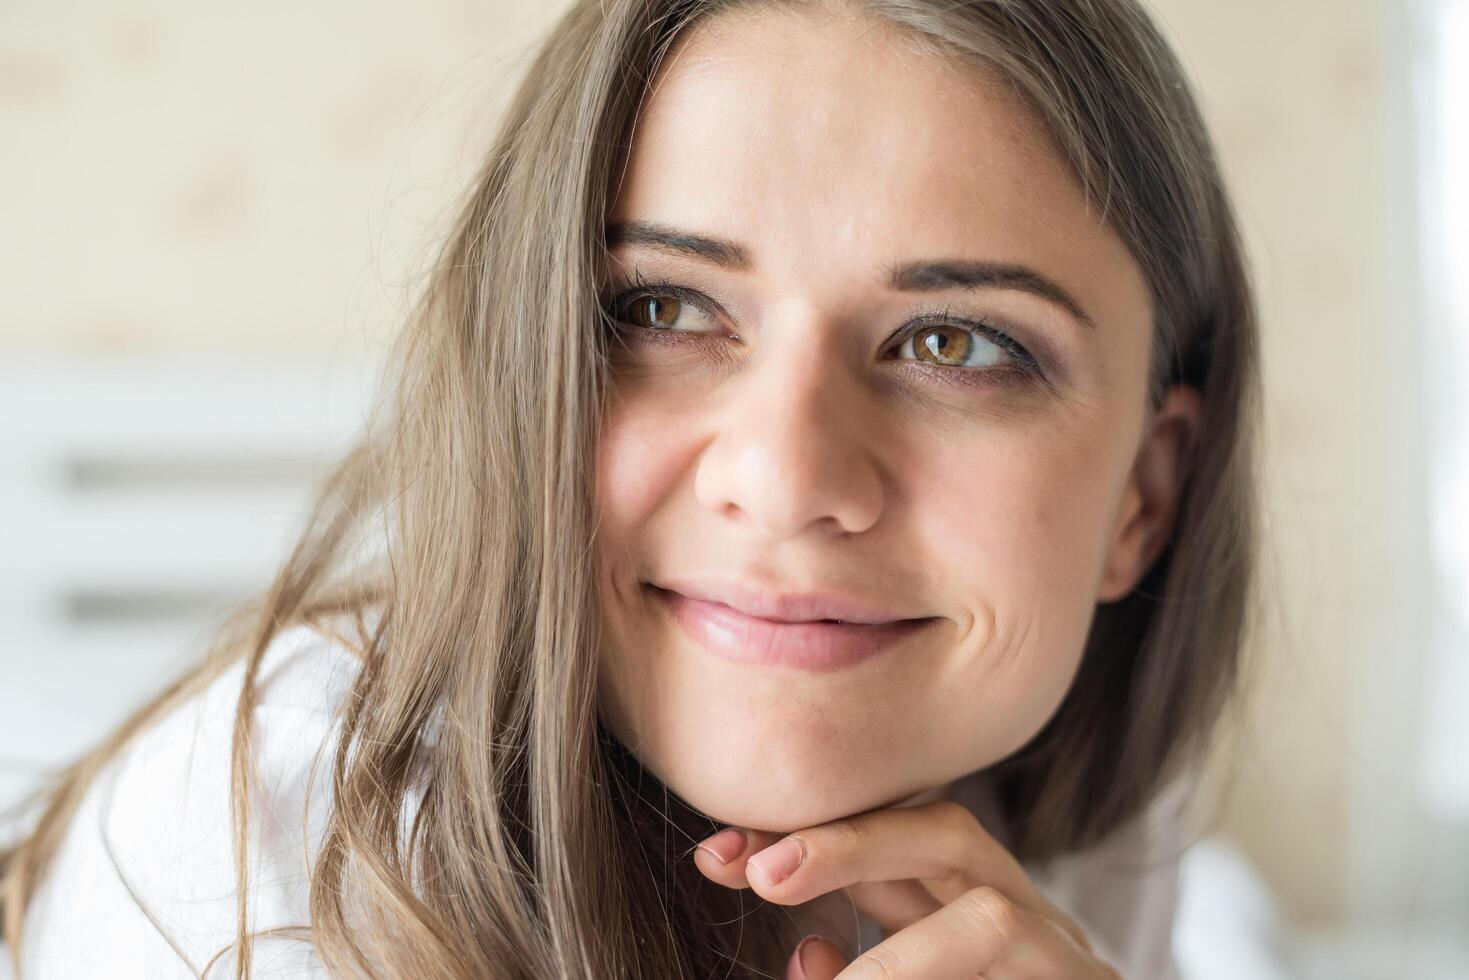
x: 817, y: 645
x: 756, y: 599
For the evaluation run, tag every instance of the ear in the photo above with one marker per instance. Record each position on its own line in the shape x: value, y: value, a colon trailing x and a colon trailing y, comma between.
x: 1150, y: 501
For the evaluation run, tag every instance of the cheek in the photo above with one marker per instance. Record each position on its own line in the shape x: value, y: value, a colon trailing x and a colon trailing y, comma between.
x: 634, y: 469
x: 628, y: 461
x: 1029, y: 522
x: 1018, y: 531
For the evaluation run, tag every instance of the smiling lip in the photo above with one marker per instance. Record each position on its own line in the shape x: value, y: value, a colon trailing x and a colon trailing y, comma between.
x: 754, y: 599
x: 813, y: 645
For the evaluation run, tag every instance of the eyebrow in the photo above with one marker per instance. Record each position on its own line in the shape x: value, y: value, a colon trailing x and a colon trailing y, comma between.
x: 927, y: 275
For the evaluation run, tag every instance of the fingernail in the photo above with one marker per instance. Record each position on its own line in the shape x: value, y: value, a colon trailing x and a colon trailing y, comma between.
x: 801, y: 972
x: 777, y: 861
x: 724, y: 846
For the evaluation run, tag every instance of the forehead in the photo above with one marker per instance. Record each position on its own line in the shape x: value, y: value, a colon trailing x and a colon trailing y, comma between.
x: 833, y: 146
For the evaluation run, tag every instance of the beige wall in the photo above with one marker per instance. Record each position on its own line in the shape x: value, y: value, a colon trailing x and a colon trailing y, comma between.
x: 1304, y: 98
x: 264, y: 179
x: 250, y: 177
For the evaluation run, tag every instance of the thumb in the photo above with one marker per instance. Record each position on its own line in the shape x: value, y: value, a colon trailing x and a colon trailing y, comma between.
x: 815, y: 958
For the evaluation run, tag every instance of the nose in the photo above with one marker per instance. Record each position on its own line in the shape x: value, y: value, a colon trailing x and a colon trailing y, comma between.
x: 791, y: 450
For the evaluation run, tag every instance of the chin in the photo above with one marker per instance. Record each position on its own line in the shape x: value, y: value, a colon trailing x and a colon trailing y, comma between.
x: 776, y: 800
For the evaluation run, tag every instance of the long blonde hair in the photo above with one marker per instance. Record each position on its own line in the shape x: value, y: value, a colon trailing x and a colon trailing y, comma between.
x: 541, y: 847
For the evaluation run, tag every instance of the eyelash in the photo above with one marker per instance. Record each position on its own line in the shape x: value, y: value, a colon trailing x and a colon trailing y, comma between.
x: 1024, y: 365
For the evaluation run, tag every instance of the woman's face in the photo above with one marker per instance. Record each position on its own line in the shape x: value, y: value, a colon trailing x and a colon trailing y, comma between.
x: 913, y: 376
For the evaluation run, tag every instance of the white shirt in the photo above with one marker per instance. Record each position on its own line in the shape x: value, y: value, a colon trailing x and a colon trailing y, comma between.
x: 155, y: 829
x: 153, y: 839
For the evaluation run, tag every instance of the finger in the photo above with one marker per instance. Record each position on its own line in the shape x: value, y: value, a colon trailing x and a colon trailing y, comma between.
x: 815, y: 958
x: 982, y: 932
x: 722, y: 856
x: 940, y: 843
x: 893, y: 905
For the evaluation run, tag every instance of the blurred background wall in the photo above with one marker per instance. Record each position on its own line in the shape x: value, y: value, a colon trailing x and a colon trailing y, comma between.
x: 233, y: 204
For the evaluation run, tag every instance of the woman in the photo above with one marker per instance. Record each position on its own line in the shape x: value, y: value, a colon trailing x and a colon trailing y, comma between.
x: 814, y: 496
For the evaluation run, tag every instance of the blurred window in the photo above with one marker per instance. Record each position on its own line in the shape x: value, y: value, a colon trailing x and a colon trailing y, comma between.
x: 1443, y: 90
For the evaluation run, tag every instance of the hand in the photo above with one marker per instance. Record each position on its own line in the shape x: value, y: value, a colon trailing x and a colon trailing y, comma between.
x: 952, y: 902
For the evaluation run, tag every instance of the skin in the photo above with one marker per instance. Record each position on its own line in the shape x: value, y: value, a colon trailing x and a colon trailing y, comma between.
x: 951, y: 901
x: 782, y: 436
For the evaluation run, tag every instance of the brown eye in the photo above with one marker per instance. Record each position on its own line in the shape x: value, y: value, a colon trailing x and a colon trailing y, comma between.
x: 952, y: 345
x: 662, y: 310
x: 655, y: 311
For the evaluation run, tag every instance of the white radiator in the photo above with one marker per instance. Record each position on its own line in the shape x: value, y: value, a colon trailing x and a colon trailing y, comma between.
x: 138, y: 497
